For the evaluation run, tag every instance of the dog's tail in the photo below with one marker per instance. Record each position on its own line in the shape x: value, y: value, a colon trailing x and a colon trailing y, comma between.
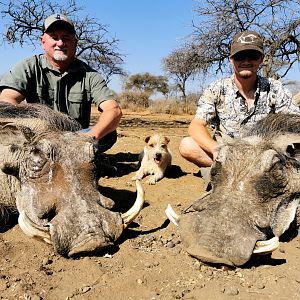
x: 171, y: 214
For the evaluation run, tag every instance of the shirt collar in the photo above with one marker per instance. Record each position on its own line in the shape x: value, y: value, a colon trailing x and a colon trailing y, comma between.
x: 74, y: 67
x: 259, y: 83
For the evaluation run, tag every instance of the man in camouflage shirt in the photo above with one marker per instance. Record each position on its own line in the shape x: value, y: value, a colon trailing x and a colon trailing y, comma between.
x: 60, y: 80
x: 233, y: 104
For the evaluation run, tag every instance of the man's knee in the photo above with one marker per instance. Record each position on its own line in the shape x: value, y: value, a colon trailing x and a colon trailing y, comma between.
x: 185, y: 147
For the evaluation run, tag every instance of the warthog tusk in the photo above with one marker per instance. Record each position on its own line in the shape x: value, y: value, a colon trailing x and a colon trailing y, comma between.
x: 265, y: 247
x: 31, y: 229
x: 133, y: 212
x: 171, y: 214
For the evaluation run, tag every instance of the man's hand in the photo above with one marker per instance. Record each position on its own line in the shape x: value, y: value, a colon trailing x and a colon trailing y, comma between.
x: 108, y: 120
x: 11, y: 96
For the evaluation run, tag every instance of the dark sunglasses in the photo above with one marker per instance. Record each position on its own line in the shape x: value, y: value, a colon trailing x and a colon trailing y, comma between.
x: 251, y: 55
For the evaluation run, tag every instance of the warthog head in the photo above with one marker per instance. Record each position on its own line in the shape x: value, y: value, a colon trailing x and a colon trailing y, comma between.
x: 56, y: 192
x: 255, y: 195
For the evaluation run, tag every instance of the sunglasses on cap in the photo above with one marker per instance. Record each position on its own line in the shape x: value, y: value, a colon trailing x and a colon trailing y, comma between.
x: 251, y: 55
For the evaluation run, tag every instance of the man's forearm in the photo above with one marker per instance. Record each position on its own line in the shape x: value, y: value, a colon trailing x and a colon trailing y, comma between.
x: 108, y: 122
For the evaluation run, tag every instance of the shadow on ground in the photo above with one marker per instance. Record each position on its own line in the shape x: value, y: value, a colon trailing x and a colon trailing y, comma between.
x: 121, y: 164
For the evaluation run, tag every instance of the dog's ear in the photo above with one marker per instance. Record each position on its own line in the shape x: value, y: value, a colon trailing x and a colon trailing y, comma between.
x: 147, y: 139
x: 167, y: 140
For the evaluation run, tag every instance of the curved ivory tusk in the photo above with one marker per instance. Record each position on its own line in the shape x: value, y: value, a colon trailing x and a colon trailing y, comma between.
x: 268, y: 246
x: 133, y: 212
x: 171, y: 214
x: 31, y: 229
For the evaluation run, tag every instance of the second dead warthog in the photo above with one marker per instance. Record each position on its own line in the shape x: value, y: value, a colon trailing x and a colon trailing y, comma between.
x: 255, y: 195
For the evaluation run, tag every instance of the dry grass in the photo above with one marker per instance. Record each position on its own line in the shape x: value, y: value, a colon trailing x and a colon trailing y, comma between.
x: 172, y: 107
x: 139, y: 101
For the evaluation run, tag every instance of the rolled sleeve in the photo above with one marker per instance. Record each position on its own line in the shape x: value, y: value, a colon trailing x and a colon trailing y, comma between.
x: 206, y: 109
x: 99, y: 89
x: 17, y: 78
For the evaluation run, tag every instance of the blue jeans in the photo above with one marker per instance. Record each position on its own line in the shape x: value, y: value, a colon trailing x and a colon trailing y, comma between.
x: 106, y: 142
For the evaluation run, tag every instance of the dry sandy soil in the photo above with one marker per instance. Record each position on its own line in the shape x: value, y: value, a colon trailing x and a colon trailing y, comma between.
x: 148, y: 262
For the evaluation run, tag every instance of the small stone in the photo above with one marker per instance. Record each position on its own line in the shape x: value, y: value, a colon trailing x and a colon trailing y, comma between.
x: 231, y: 291
x: 298, y: 292
x: 170, y: 244
x: 3, y: 287
x: 85, y: 289
x: 239, y: 274
x: 260, y: 286
x: 203, y: 268
x: 46, y: 261
x: 209, y: 272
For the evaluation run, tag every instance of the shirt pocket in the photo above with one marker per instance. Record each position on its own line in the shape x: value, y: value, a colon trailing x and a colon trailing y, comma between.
x: 76, y: 105
x: 45, y: 95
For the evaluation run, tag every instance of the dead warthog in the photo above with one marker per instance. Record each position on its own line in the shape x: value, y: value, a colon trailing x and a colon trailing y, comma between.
x: 255, y: 195
x: 48, y: 176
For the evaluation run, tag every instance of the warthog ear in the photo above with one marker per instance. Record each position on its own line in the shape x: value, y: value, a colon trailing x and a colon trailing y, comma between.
x: 288, y: 144
x: 16, y: 134
x: 268, y: 159
x: 26, y: 131
x: 13, y: 138
x: 223, y: 138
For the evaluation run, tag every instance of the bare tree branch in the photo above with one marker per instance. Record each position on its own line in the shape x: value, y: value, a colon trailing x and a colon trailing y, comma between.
x: 276, y: 20
x: 182, y: 65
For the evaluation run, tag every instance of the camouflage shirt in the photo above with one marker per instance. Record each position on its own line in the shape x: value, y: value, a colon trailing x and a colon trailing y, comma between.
x: 223, y: 106
x: 71, y: 92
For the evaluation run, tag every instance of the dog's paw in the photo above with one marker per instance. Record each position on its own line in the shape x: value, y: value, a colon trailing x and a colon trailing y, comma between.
x: 136, y: 177
x: 152, y: 180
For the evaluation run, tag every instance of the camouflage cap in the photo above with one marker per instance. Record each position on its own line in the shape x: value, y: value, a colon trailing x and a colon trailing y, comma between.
x: 246, y: 40
x: 57, y: 19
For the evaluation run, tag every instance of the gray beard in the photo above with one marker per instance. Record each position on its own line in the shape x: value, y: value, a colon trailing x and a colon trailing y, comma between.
x: 60, y: 57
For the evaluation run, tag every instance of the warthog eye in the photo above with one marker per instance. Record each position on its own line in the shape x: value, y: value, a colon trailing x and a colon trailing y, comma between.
x: 216, y: 168
x: 36, y: 160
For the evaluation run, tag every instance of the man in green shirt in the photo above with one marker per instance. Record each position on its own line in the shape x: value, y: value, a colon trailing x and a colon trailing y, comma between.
x: 60, y: 80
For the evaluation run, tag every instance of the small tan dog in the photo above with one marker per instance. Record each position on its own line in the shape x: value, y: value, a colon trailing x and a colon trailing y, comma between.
x: 155, y: 158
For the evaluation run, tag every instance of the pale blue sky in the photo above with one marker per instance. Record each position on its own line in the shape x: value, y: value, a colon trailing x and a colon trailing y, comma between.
x: 148, y: 31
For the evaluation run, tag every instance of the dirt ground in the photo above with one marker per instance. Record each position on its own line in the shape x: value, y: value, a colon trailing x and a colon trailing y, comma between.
x: 148, y: 262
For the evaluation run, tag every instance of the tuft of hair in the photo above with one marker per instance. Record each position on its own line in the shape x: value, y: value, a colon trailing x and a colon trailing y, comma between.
x: 274, y: 124
x: 8, y: 217
x: 55, y: 119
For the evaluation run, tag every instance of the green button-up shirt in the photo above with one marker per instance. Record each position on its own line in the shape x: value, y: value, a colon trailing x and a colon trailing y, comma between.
x: 72, y: 92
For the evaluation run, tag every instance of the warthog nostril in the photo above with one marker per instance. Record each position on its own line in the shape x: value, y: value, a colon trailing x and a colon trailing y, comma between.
x: 49, y: 215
